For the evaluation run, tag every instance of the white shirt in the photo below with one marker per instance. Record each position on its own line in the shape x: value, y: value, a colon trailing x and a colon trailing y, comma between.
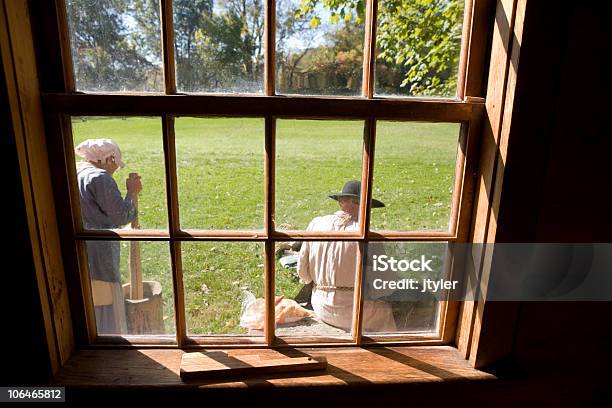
x: 332, y: 266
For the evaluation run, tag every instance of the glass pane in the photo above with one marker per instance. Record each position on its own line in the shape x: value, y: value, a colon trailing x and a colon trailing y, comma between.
x: 219, y: 45
x: 315, y: 283
x: 400, y: 281
x: 149, y: 307
x: 220, y: 172
x: 316, y: 159
x: 116, y: 45
x: 419, y: 43
x: 224, y: 287
x: 101, y: 143
x: 414, y: 175
x: 319, y: 49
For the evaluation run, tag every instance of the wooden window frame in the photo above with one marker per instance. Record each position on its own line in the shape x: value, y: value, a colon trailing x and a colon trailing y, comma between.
x: 48, y: 114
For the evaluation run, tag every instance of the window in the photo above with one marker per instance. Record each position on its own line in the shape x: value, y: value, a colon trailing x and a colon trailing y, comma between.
x: 261, y: 110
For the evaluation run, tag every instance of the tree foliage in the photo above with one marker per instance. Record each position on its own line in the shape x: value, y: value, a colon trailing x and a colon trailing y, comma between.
x: 339, y: 62
x: 417, y: 39
x: 219, y: 44
x: 106, y: 53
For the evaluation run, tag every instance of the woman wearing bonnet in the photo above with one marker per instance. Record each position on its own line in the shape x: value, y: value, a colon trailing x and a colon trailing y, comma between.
x: 103, y: 207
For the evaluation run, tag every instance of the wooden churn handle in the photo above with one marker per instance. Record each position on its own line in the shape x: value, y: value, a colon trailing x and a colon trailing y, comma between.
x: 136, y: 288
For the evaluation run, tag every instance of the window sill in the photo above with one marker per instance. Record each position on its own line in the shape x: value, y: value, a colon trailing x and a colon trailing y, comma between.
x: 347, y: 367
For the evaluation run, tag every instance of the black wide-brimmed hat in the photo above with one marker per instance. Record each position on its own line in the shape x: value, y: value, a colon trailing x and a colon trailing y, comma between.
x: 353, y: 189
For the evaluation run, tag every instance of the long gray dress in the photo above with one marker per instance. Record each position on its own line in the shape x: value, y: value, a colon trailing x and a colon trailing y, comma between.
x: 103, y: 207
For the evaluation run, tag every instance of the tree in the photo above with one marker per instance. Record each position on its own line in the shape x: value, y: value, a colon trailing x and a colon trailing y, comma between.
x: 250, y: 15
x: 188, y: 15
x: 105, y: 52
x: 291, y: 24
x: 215, y: 47
x: 339, y: 62
x: 231, y: 42
x: 419, y: 39
x: 220, y: 46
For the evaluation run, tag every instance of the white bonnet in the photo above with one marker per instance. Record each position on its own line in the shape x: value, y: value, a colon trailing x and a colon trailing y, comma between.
x: 95, y: 150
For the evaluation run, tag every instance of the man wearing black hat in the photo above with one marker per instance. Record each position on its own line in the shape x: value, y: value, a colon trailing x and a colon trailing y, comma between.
x: 331, y: 266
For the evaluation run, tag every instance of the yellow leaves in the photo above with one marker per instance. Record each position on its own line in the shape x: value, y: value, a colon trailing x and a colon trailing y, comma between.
x: 314, y: 22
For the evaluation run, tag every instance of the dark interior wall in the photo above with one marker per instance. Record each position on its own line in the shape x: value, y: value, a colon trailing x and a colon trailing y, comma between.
x: 557, y: 172
x: 557, y: 182
x: 21, y: 323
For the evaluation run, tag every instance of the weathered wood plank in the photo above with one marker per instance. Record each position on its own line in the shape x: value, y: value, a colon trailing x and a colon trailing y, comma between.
x: 167, y: 29
x: 346, y: 367
x: 284, y: 235
x: 269, y: 210
x: 270, y: 47
x: 472, y: 68
x: 216, y: 364
x: 369, y: 49
x: 492, y: 340
x: 19, y: 61
x: 249, y: 105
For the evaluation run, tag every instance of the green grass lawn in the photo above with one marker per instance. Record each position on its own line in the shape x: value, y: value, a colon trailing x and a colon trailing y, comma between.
x: 220, y: 180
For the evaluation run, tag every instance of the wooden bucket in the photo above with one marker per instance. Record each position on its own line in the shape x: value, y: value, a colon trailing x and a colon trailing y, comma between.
x: 146, y: 315
x: 144, y: 306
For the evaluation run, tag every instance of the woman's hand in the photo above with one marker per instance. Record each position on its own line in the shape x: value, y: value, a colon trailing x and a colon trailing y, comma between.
x: 133, y: 185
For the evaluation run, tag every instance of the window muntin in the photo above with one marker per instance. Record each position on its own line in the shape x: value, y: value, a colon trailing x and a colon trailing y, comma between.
x: 432, y: 111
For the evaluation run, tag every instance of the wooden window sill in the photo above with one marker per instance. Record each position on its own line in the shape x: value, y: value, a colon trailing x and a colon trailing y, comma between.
x: 350, y: 366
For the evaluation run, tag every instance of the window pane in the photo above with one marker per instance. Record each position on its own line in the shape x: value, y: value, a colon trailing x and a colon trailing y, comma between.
x: 316, y: 280
x: 414, y: 175
x: 105, y: 203
x: 219, y: 45
x: 319, y: 50
x: 110, y: 269
x: 418, y: 43
x: 220, y: 172
x: 315, y: 159
x: 222, y: 280
x: 394, y: 279
x: 115, y: 45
